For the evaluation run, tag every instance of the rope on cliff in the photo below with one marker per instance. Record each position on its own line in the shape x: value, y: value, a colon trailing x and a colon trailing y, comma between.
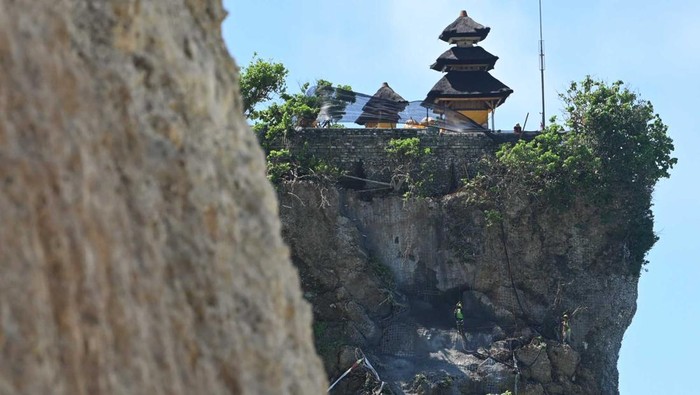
x: 354, y: 365
x: 529, y: 365
x: 517, y: 368
x: 361, y: 361
x: 369, y: 366
x: 510, y: 272
x: 489, y: 356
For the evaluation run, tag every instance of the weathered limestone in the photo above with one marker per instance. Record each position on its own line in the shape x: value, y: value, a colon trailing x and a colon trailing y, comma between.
x: 406, y: 263
x: 139, y: 238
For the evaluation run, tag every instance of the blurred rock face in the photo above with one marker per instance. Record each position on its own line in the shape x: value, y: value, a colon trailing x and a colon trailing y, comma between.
x: 139, y: 240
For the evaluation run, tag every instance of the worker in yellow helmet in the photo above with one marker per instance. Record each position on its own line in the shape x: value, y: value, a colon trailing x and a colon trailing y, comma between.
x: 459, y: 317
x: 565, y: 329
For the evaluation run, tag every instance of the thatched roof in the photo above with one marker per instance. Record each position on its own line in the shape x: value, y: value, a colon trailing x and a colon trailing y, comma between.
x: 385, y: 93
x: 464, y: 56
x: 469, y: 84
x: 383, y: 106
x: 464, y: 26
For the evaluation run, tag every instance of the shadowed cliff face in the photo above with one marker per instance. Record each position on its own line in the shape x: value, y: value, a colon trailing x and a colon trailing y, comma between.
x: 383, y: 274
x: 139, y: 238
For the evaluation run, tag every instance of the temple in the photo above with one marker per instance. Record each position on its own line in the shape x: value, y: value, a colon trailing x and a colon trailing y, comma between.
x: 382, y: 109
x: 467, y: 87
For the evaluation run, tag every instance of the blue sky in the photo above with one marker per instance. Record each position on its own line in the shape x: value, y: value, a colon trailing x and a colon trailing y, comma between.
x: 653, y: 46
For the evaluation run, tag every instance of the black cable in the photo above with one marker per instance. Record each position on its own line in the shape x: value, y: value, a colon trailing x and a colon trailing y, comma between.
x: 510, y: 272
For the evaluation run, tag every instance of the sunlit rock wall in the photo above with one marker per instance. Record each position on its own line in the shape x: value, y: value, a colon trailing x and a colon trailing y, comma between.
x: 404, y: 262
x: 139, y: 239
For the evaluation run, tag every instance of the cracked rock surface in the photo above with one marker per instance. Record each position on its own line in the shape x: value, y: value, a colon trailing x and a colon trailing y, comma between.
x: 139, y: 238
x: 383, y: 274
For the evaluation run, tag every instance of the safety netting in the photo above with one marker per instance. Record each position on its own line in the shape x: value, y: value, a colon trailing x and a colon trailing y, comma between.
x: 353, y: 109
x: 399, y: 340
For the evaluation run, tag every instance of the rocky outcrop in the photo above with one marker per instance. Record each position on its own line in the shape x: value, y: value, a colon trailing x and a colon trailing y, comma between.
x: 398, y: 267
x: 347, y: 290
x: 139, y: 238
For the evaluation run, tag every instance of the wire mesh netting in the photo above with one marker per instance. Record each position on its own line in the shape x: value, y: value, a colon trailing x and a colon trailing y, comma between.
x: 399, y: 340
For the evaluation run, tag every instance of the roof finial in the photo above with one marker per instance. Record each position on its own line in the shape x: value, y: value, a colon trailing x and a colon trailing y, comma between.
x: 463, y: 13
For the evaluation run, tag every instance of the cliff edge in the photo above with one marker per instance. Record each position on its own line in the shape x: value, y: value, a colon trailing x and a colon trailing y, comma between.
x: 538, y: 241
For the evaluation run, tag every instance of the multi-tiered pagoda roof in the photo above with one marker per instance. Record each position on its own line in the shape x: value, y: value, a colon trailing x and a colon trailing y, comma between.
x: 467, y: 86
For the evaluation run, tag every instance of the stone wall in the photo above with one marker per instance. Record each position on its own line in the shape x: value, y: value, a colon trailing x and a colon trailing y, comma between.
x: 453, y: 155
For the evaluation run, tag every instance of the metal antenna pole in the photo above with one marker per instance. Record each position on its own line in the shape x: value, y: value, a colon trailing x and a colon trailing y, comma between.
x: 542, y: 65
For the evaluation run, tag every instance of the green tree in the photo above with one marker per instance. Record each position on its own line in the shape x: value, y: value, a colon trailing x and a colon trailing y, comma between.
x: 278, y: 120
x: 295, y: 111
x: 623, y: 131
x: 260, y: 81
x: 614, y: 151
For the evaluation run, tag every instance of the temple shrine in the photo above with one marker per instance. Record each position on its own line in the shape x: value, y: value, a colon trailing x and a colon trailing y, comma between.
x: 382, y: 109
x: 467, y: 87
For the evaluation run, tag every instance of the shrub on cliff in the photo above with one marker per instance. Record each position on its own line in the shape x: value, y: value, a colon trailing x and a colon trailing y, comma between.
x: 409, y: 167
x: 622, y: 130
x: 262, y: 81
x: 613, y: 152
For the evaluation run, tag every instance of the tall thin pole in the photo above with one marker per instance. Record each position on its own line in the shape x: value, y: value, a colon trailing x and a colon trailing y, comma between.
x: 542, y: 64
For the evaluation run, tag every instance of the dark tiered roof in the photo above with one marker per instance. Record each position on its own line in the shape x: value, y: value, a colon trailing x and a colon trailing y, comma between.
x: 383, y: 106
x: 469, y: 84
x: 464, y: 26
x: 464, y: 56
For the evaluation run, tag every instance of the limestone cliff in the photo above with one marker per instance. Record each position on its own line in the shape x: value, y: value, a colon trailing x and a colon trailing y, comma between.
x: 139, y: 238
x: 383, y: 274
